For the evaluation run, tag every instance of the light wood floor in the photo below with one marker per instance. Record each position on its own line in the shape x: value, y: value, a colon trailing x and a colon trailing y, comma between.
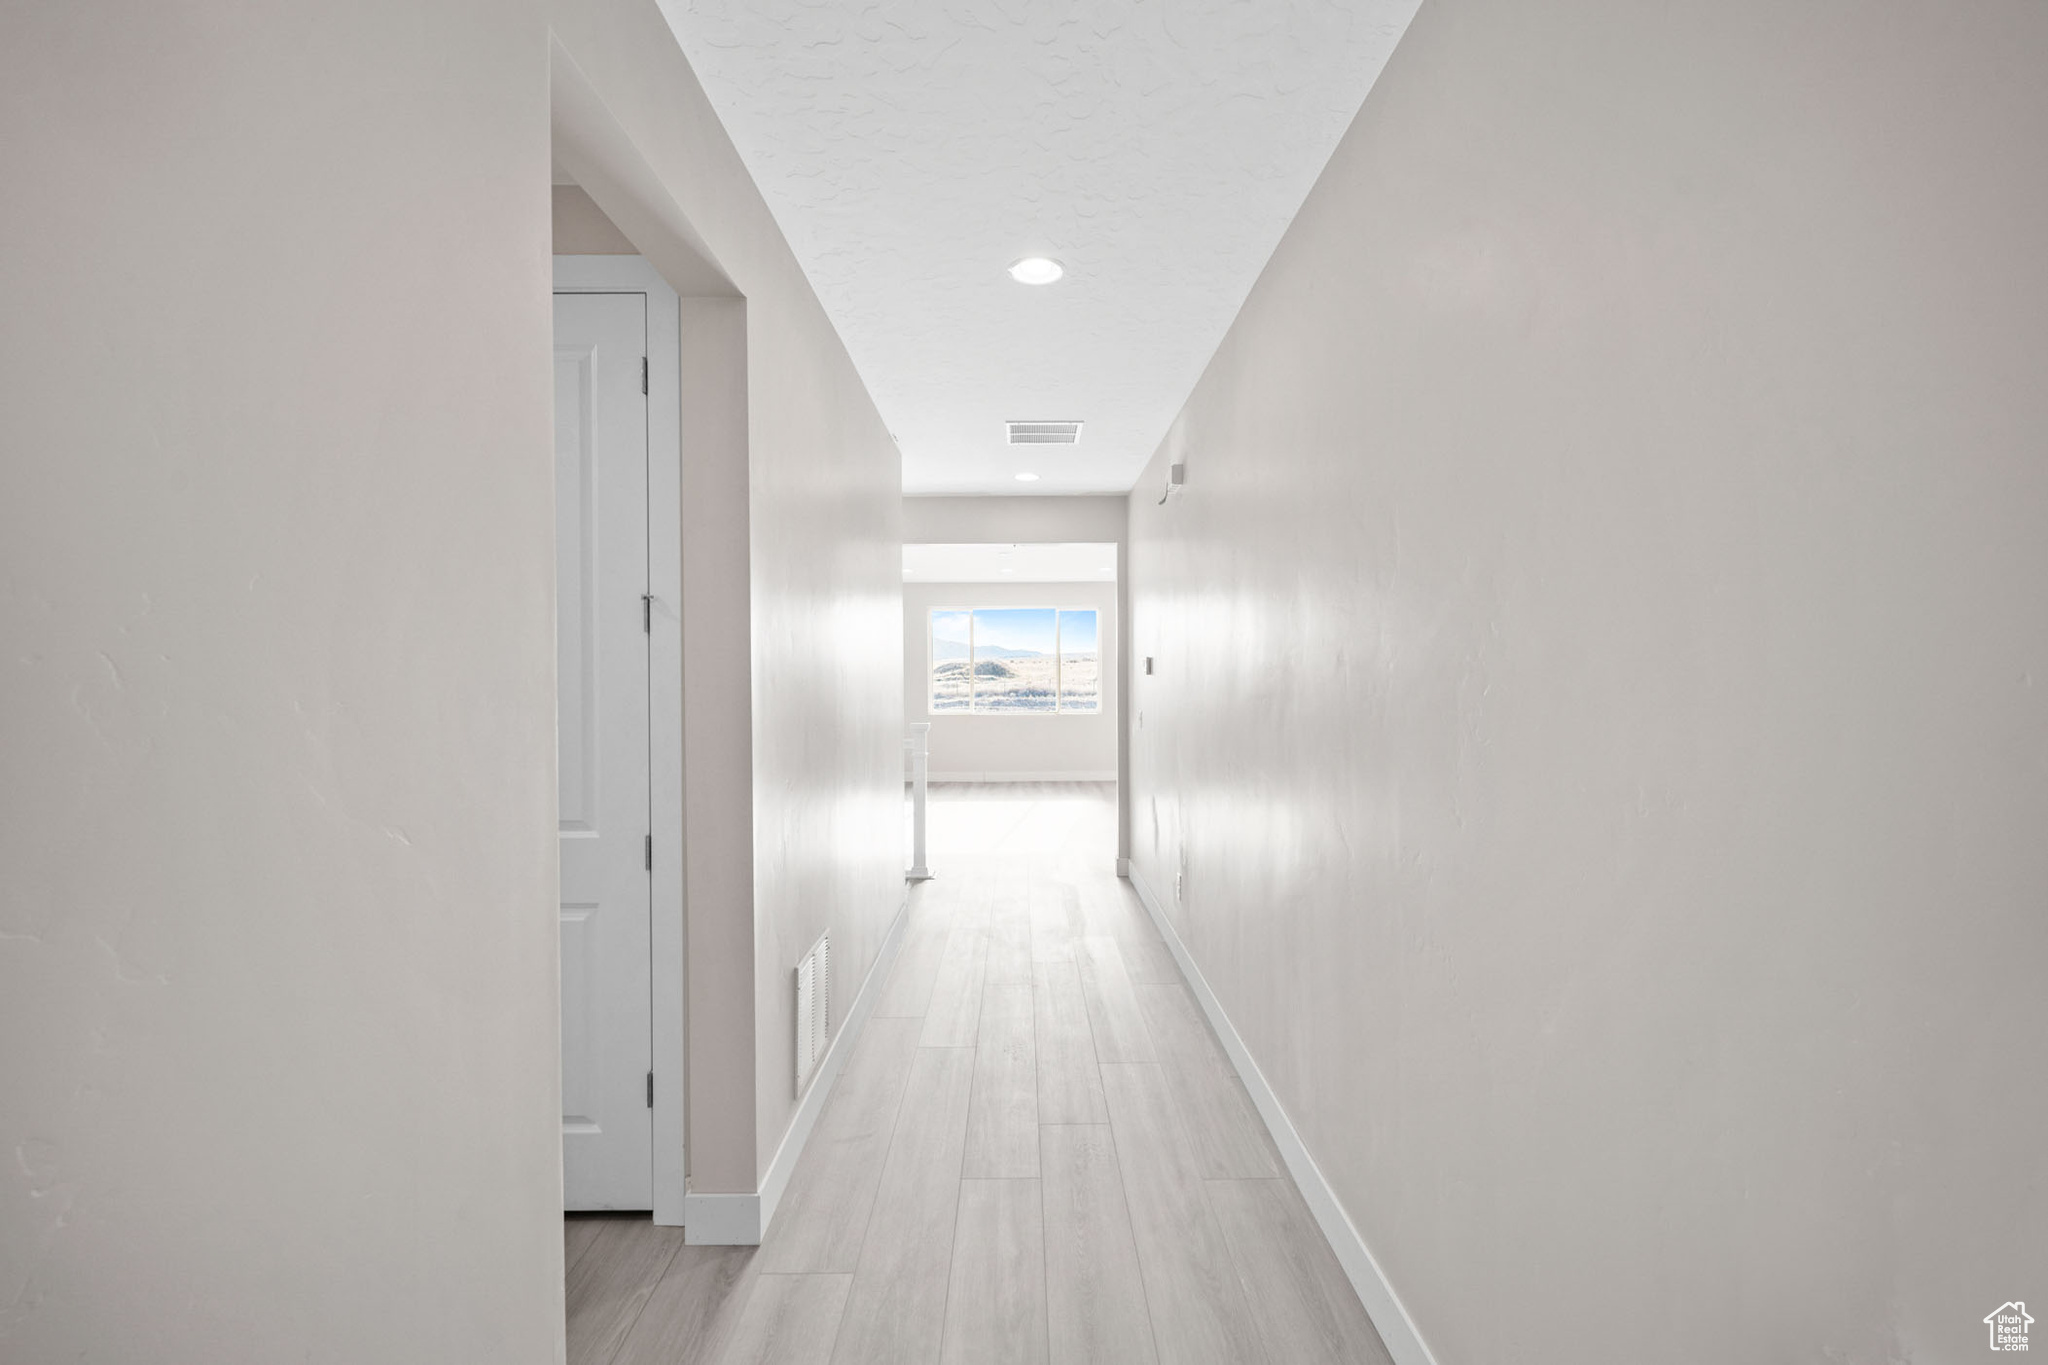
x: 1038, y: 1153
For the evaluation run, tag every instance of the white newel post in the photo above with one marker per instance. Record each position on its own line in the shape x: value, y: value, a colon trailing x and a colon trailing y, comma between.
x: 918, y: 747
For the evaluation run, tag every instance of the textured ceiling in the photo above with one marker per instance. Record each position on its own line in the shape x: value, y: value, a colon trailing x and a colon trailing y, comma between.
x: 911, y: 149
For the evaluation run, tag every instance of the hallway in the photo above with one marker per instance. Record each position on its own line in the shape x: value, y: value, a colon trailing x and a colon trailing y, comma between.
x: 1038, y: 1152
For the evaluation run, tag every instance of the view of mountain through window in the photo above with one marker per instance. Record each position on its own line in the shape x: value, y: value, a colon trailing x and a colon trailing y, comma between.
x: 1005, y: 660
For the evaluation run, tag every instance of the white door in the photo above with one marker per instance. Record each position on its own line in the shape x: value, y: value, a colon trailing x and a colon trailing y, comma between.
x: 601, y: 724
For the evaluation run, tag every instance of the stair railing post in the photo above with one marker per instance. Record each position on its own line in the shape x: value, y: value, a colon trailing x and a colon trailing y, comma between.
x: 920, y: 761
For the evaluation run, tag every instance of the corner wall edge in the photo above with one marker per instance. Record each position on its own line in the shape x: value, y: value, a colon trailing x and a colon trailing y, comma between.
x: 743, y: 1219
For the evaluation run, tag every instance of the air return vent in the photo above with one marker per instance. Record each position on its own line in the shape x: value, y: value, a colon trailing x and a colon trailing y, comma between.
x: 1044, y: 433
x: 813, y: 1008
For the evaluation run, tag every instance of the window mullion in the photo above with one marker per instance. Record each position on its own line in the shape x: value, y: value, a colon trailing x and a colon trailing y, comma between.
x: 1059, y: 661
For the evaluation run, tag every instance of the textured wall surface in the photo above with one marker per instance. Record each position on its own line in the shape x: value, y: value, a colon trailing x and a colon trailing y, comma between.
x: 1601, y: 678
x: 278, y: 1037
x: 912, y: 151
x: 278, y: 1025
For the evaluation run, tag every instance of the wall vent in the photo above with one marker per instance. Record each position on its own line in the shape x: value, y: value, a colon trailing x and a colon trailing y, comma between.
x: 813, y: 1008
x: 1044, y: 433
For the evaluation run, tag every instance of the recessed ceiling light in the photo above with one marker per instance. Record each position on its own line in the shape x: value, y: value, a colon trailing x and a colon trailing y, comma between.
x: 1036, y: 270
x: 1027, y: 478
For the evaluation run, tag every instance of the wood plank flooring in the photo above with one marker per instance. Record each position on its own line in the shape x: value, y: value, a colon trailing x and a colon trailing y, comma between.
x: 1037, y: 1154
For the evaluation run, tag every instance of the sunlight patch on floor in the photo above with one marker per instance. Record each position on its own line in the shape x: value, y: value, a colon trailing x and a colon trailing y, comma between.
x: 966, y: 819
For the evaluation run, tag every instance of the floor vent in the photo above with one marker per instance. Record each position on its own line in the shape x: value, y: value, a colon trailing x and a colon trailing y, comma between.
x: 813, y: 1008
x: 1044, y: 433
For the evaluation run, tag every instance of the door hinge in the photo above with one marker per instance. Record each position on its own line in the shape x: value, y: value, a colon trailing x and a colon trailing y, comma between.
x: 650, y: 853
x: 650, y: 1090
x: 647, y: 612
x: 643, y: 374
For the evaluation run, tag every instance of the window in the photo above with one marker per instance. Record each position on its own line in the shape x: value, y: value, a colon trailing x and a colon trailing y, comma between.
x: 1015, y: 660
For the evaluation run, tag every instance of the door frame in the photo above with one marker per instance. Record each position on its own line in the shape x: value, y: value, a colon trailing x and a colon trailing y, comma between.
x: 634, y: 275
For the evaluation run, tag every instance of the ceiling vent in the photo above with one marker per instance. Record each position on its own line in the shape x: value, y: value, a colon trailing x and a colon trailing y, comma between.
x: 1044, y: 433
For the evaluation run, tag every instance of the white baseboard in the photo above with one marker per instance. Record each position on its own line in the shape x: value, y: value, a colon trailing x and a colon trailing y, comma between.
x: 1382, y: 1304
x: 740, y: 1220
x: 722, y: 1220
x: 1106, y: 776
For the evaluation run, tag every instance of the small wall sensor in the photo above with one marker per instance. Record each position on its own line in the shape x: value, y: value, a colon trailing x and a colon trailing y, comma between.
x: 1176, y: 475
x: 1148, y: 665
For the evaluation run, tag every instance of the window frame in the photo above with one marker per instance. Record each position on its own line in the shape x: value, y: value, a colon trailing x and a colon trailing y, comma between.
x: 1059, y: 690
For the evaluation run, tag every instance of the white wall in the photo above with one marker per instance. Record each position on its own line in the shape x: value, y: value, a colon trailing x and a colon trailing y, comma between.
x: 278, y: 1035
x: 1600, y: 677
x: 277, y: 963
x: 1001, y: 520
x: 1058, y: 747
x: 580, y: 227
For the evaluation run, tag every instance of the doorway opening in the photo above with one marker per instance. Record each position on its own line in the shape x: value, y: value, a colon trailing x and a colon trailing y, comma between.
x: 1012, y: 659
